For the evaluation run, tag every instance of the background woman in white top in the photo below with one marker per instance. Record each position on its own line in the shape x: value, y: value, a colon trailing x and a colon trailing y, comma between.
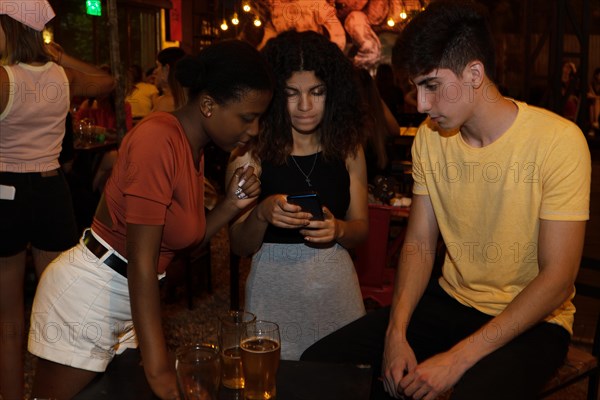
x: 36, y: 84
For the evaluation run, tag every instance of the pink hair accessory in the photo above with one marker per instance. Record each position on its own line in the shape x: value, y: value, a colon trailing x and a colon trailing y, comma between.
x: 33, y: 13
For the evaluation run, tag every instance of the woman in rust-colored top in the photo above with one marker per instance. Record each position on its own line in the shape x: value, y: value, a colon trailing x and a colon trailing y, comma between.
x: 152, y: 206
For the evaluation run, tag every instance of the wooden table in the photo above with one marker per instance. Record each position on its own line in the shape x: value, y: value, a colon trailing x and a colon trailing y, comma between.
x: 107, y: 144
x: 296, y: 380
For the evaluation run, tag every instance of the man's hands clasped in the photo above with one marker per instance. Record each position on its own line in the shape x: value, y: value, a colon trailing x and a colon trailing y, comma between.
x: 404, y: 378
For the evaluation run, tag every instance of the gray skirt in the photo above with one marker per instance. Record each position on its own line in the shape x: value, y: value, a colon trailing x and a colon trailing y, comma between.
x: 308, y: 292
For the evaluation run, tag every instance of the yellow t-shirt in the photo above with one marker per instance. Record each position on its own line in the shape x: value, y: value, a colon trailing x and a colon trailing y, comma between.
x: 488, y: 203
x: 141, y: 99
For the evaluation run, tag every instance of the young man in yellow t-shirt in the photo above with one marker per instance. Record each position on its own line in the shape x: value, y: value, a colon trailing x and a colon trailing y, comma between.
x: 506, y: 185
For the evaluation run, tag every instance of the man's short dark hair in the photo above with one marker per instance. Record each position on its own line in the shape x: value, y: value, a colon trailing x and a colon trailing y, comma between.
x: 448, y: 34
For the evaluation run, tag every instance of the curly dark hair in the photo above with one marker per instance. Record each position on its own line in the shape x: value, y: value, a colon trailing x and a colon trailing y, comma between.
x: 341, y: 128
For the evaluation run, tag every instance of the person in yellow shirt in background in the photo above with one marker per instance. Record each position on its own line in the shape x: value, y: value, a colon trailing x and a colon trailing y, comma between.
x: 141, y: 95
x: 507, y: 186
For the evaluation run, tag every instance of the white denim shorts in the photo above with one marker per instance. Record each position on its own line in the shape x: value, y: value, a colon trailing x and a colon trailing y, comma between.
x: 81, y: 314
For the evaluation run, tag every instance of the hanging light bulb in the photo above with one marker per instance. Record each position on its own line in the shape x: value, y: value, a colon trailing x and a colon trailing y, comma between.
x: 390, y: 22
x: 224, y: 26
x: 234, y: 19
x: 47, y: 35
x: 403, y: 15
x: 246, y: 7
x: 257, y: 22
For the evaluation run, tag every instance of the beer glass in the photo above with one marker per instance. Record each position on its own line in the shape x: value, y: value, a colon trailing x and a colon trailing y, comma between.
x: 231, y: 327
x: 261, y: 349
x: 198, y: 370
x: 85, y: 131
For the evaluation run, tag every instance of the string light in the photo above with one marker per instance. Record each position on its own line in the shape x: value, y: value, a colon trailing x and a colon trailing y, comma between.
x: 403, y: 15
x: 391, y: 22
x: 246, y: 7
x: 224, y: 25
x: 257, y: 22
x: 235, y: 19
x: 47, y: 35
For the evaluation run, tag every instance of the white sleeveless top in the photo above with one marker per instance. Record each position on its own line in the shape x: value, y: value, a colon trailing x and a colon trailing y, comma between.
x: 32, y: 126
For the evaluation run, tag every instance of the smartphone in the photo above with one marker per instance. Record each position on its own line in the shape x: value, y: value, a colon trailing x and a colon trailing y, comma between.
x: 309, y: 202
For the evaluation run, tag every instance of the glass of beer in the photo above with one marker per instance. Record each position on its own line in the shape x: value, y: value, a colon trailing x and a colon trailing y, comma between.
x: 261, y: 349
x: 231, y: 326
x: 198, y: 370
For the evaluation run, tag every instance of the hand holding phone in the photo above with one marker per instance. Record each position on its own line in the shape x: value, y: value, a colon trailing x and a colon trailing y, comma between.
x: 309, y: 202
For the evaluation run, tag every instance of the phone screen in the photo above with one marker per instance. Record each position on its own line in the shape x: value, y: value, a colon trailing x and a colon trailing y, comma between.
x: 309, y: 202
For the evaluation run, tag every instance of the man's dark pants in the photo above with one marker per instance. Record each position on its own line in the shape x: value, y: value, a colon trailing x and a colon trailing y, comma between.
x: 517, y: 370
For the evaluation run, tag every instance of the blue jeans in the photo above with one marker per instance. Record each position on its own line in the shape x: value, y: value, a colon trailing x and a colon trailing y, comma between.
x: 518, y: 370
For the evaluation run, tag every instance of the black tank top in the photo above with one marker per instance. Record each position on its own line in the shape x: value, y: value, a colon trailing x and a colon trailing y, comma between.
x: 329, y: 179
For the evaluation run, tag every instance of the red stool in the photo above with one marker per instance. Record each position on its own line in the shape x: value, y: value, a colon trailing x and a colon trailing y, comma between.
x: 371, y: 258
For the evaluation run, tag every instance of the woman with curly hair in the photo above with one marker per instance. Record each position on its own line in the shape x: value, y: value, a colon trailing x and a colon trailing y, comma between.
x: 302, y: 276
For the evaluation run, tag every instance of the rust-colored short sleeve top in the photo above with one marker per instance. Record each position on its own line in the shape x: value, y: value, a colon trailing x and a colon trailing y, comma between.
x: 155, y: 182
